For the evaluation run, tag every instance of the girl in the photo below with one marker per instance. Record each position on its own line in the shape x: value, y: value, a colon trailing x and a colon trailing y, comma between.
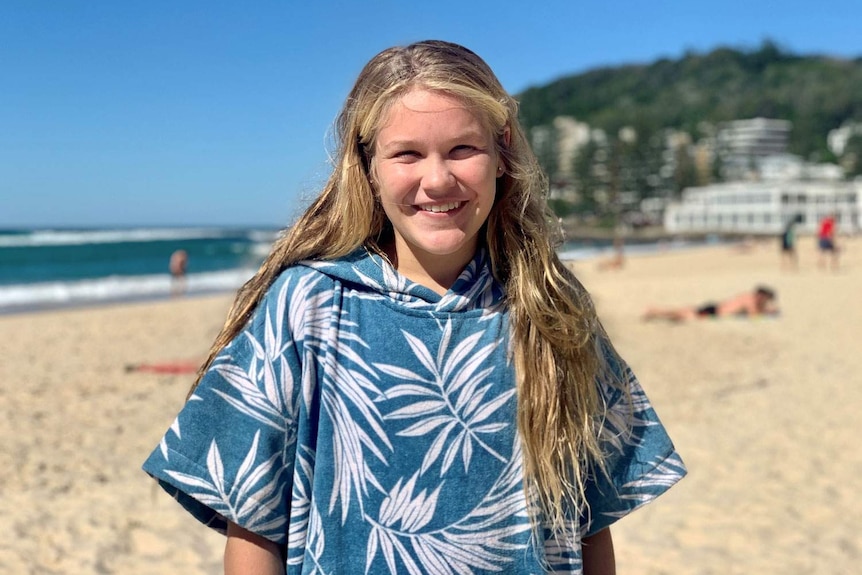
x: 413, y: 382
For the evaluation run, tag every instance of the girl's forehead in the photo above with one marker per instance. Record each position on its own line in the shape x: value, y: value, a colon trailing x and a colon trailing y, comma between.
x: 418, y: 101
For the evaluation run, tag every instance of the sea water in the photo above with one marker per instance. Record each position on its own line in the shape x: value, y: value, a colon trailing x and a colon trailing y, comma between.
x: 42, y: 268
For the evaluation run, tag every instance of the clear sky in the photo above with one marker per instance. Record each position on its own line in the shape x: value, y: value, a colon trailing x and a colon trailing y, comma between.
x: 184, y: 112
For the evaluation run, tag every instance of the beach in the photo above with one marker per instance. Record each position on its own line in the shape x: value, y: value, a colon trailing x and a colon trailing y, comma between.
x: 763, y: 411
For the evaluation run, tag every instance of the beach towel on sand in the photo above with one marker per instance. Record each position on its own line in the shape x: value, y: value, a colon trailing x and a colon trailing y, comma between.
x: 368, y: 424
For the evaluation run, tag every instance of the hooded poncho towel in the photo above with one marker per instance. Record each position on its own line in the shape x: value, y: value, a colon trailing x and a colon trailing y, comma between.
x: 369, y: 425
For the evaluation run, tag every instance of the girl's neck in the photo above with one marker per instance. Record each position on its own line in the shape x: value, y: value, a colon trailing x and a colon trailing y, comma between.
x: 437, y: 273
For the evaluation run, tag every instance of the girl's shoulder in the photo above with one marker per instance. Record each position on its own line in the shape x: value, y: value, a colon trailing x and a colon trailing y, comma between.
x: 299, y: 270
x: 310, y: 278
x: 300, y: 278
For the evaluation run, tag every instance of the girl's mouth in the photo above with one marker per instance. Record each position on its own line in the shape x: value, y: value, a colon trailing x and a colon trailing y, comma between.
x: 441, y: 208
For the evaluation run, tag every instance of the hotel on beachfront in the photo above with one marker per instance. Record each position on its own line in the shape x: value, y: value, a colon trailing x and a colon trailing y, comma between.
x: 769, y: 188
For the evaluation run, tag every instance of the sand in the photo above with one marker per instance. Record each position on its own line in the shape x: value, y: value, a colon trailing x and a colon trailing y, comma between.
x: 764, y: 412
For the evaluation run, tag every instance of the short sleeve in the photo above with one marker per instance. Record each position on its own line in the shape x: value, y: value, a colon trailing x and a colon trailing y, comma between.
x: 641, y: 462
x: 229, y: 454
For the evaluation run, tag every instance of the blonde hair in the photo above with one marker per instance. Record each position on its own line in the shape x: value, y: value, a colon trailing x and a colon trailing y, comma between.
x: 555, y: 332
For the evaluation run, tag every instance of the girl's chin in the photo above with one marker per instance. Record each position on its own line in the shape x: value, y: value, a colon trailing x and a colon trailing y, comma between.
x: 443, y: 248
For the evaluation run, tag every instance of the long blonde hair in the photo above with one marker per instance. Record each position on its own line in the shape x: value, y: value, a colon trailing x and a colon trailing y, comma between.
x: 555, y: 333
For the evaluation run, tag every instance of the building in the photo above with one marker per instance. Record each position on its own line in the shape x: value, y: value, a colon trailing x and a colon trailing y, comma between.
x: 571, y: 137
x: 765, y: 207
x: 838, y: 138
x: 742, y: 143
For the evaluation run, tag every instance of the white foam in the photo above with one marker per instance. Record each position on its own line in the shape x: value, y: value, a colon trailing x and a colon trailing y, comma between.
x: 593, y: 252
x: 114, y: 288
x: 79, y: 237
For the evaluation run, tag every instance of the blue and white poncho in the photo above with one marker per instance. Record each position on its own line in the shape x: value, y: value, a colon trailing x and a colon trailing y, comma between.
x: 368, y: 424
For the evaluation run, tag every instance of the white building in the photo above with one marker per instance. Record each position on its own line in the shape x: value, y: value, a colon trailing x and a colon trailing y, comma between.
x: 755, y: 137
x: 571, y: 137
x: 837, y: 139
x: 765, y: 207
x: 790, y: 167
x: 742, y: 142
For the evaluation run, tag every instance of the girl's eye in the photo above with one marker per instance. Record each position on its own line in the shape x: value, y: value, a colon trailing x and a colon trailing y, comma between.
x: 464, y: 151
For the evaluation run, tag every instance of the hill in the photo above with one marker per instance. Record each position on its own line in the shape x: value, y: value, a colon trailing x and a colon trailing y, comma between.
x: 816, y: 93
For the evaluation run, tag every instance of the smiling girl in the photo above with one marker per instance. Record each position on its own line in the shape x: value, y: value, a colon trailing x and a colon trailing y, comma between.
x: 413, y: 382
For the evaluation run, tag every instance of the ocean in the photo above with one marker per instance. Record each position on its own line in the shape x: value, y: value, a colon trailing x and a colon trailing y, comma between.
x: 48, y: 268
x: 43, y: 268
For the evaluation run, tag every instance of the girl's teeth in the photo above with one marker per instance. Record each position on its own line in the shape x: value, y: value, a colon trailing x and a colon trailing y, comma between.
x: 442, y: 207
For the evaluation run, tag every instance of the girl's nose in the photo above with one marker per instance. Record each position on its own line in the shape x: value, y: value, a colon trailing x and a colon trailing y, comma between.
x: 437, y: 175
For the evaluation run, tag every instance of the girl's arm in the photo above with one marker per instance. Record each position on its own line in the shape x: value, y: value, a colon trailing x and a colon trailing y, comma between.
x: 597, y: 554
x: 249, y: 553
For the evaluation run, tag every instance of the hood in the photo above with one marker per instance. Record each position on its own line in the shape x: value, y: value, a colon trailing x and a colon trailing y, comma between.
x: 475, y: 288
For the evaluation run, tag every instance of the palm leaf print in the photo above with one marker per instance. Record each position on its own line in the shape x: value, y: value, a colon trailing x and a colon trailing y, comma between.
x: 480, y: 541
x: 266, y: 386
x: 247, y: 500
x: 300, y: 505
x: 314, y: 549
x: 626, y: 415
x: 450, y: 401
x: 163, y: 444
x: 349, y: 401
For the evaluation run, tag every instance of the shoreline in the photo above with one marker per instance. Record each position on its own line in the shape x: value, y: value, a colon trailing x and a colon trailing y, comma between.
x: 118, y: 301
x: 586, y: 252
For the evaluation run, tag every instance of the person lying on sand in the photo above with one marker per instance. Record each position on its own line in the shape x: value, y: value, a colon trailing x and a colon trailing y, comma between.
x: 169, y: 367
x: 758, y: 302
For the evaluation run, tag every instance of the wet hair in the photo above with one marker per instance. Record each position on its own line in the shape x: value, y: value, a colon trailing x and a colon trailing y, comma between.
x: 558, y: 346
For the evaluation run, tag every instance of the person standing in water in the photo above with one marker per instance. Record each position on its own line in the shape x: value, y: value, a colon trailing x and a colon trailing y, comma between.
x: 178, y: 266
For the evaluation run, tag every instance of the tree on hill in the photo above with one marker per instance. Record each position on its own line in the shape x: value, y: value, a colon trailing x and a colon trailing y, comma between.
x: 816, y: 93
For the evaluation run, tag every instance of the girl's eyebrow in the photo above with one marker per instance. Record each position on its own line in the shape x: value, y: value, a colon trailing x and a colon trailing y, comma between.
x: 411, y: 143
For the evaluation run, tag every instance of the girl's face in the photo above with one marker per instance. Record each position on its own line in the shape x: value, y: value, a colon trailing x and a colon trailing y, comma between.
x: 435, y: 169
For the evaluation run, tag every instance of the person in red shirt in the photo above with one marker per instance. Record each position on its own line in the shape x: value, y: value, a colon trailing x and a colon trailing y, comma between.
x: 826, y: 242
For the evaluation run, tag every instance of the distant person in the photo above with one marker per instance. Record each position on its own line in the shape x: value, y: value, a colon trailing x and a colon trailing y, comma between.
x: 826, y: 245
x: 413, y: 382
x: 166, y: 368
x: 178, y: 266
x: 746, y: 246
x: 789, y: 257
x: 617, y: 260
x: 758, y: 302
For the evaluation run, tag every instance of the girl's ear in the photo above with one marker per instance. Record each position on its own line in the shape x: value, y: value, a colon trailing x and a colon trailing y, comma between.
x: 364, y: 156
x: 507, y: 138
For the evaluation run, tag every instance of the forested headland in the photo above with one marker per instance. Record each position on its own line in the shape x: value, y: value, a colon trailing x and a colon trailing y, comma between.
x: 608, y: 138
x: 816, y: 93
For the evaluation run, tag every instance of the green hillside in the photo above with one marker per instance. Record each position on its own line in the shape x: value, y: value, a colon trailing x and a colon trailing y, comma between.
x: 816, y: 93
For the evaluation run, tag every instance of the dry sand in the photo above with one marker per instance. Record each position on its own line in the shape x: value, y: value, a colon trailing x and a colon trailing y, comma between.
x: 765, y: 413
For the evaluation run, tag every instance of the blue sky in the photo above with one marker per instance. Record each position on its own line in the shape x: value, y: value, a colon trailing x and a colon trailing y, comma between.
x: 215, y: 113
